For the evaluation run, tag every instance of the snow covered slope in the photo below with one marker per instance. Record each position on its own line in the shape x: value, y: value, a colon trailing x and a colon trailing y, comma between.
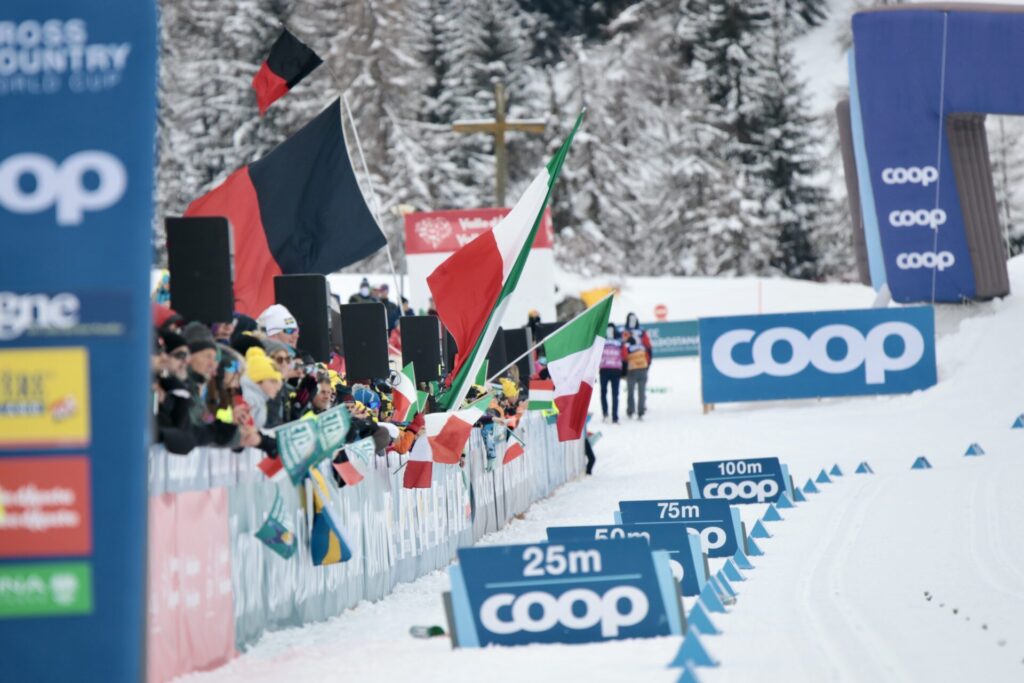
x: 841, y: 591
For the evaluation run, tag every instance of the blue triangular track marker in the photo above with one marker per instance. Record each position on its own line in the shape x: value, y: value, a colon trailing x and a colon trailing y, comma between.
x: 835, y: 471
x: 864, y: 468
x: 809, y: 487
x: 823, y: 478
x: 921, y: 464
x: 798, y: 496
x: 784, y: 502
x: 724, y: 584
x: 692, y: 652
x: 771, y: 514
x: 759, y: 531
x: 1018, y: 423
x: 742, y: 561
x: 709, y: 598
x: 688, y: 675
x: 699, y: 619
x: 752, y: 549
x: 974, y: 449
x: 731, y: 571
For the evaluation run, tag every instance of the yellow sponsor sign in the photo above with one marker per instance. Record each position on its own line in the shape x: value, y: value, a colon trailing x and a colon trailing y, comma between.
x: 44, y: 397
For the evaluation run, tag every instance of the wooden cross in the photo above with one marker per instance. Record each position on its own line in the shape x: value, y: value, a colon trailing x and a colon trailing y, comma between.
x: 497, y: 127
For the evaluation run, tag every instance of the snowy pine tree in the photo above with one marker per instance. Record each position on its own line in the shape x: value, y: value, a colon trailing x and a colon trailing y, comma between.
x: 1005, y: 138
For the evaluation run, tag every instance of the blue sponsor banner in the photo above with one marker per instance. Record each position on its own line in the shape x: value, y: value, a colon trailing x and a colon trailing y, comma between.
x: 676, y: 338
x: 716, y: 521
x: 826, y: 353
x: 572, y: 592
x: 683, y: 548
x: 749, y: 480
x: 78, y: 115
x: 910, y: 70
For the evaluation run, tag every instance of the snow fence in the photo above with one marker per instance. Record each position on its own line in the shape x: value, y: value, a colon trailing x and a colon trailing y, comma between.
x: 214, y: 588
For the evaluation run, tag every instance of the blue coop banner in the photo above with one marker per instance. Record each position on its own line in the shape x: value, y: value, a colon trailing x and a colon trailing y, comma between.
x: 78, y: 115
x: 826, y: 353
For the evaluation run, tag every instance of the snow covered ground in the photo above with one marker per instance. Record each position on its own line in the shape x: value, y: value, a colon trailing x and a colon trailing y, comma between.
x: 841, y: 591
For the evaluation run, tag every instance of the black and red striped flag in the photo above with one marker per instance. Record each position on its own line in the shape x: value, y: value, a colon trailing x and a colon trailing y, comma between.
x: 297, y: 210
x: 290, y: 61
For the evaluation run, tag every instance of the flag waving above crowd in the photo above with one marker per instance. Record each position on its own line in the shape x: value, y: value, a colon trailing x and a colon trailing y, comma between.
x: 472, y: 287
x: 299, y: 209
x: 574, y: 354
x: 289, y: 61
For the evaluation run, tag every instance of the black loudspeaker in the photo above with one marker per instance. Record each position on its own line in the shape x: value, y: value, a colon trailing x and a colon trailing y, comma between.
x: 450, y: 349
x: 200, y: 256
x: 364, y: 337
x: 516, y: 343
x: 336, y: 341
x: 546, y: 329
x: 421, y: 345
x: 496, y: 356
x: 307, y: 297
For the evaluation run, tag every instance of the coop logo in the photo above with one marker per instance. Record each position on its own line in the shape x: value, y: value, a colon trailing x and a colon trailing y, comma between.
x: 576, y: 609
x: 861, y: 350
x: 914, y: 175
x: 90, y: 180
x: 908, y: 218
x: 21, y: 312
x: 748, y: 490
x: 929, y: 260
x: 43, y: 57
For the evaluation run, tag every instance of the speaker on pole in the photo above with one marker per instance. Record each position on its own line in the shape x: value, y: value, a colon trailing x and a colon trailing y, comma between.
x: 421, y: 345
x: 517, y: 341
x: 200, y: 257
x: 364, y: 338
x: 496, y: 356
x: 308, y: 298
x: 450, y: 349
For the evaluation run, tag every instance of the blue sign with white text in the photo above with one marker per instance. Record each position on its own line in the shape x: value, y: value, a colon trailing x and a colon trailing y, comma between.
x: 675, y: 338
x: 78, y: 115
x: 716, y: 521
x: 825, y: 353
x: 683, y: 548
x: 749, y: 480
x: 572, y: 592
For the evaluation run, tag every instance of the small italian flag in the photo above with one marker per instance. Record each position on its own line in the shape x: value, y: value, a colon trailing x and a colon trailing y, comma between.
x: 406, y: 397
x: 514, y: 447
x: 442, y: 440
x: 472, y: 287
x: 542, y: 395
x: 574, y: 356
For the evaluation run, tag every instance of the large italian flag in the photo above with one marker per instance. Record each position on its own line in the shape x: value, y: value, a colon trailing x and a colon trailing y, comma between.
x: 574, y: 356
x: 471, y: 288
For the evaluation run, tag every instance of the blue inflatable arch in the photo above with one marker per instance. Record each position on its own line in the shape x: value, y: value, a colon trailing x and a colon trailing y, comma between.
x: 922, y: 80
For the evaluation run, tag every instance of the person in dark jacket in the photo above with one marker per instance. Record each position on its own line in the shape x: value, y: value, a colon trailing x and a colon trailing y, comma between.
x: 636, y: 354
x: 611, y: 373
x: 364, y: 295
x: 391, y: 309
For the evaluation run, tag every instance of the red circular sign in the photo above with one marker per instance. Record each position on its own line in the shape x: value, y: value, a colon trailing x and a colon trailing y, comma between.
x: 661, y: 312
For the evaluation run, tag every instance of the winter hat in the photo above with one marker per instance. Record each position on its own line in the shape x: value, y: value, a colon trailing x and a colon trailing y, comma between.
x: 243, y: 325
x: 173, y: 341
x: 199, y: 337
x: 364, y: 282
x: 275, y: 347
x: 162, y: 315
x: 259, y: 367
x: 276, y: 319
x: 245, y: 342
x: 367, y: 396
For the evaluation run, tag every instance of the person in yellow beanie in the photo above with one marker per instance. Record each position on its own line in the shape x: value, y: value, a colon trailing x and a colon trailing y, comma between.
x: 261, y: 383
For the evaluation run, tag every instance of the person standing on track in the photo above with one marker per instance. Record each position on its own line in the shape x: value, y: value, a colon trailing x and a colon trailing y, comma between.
x: 611, y: 373
x: 636, y: 354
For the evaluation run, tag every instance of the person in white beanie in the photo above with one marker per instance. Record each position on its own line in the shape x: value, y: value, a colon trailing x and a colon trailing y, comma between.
x: 280, y: 325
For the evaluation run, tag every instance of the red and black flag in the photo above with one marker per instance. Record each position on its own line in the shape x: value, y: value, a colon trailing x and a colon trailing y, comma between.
x: 289, y: 62
x: 297, y: 210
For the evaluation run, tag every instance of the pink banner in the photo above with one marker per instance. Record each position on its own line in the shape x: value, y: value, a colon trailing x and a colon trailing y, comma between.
x: 191, y: 624
x: 445, y: 231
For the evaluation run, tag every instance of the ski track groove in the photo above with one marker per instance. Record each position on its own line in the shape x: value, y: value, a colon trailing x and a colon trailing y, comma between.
x: 997, y: 539
x: 985, y: 569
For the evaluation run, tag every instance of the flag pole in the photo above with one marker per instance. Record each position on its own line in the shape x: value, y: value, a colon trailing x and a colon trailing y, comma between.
x: 553, y: 334
x: 376, y: 202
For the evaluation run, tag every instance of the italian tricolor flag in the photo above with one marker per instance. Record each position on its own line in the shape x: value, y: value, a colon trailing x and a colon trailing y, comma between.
x: 442, y: 440
x: 472, y: 287
x: 574, y: 356
x: 405, y: 397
